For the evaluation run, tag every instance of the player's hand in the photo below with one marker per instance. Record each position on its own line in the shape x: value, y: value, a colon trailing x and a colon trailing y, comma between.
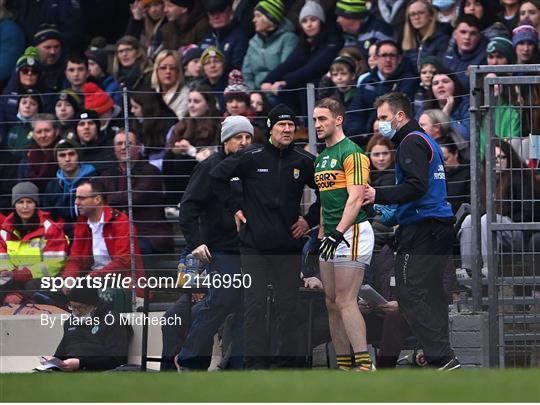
x: 369, y: 195
x: 330, y: 243
x: 239, y: 219
x: 71, y: 364
x: 202, y: 253
x: 299, y: 228
x: 389, y: 307
x: 312, y: 282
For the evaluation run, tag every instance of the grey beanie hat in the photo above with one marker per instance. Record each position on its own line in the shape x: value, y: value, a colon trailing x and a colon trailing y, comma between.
x: 234, y: 125
x: 312, y: 8
x: 24, y: 190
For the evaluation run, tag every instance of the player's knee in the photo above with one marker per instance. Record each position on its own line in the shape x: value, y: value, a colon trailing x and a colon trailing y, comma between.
x: 343, y: 302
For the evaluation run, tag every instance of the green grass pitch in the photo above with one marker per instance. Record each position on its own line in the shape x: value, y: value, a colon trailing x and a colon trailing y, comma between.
x: 473, y: 385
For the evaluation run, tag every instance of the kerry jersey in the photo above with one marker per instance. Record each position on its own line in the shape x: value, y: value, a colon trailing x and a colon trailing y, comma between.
x: 337, y: 167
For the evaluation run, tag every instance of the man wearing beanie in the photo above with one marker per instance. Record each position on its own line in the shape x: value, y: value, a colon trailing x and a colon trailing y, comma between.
x: 228, y: 36
x: 360, y: 27
x: 211, y: 235
x: 273, y: 42
x: 48, y: 42
x: 273, y: 177
x: 500, y: 51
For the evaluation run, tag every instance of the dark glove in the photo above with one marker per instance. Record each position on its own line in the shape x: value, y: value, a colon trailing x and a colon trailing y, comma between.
x: 330, y: 243
x: 311, y: 255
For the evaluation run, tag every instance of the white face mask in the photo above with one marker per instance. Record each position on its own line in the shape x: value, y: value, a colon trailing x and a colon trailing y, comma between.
x: 386, y: 130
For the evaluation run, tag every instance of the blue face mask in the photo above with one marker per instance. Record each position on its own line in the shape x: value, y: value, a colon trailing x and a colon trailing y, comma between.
x: 443, y: 4
x: 386, y: 130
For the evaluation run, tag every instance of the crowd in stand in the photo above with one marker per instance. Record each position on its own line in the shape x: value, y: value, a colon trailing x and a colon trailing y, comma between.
x: 76, y: 118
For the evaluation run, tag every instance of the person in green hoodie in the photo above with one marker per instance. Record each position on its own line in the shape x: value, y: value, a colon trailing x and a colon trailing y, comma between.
x: 273, y: 41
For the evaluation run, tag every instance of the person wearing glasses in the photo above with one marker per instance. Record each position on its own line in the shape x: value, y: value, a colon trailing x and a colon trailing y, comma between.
x: 390, y: 75
x: 131, y: 66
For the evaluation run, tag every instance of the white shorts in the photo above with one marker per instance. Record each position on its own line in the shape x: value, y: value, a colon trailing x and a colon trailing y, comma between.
x: 361, y: 240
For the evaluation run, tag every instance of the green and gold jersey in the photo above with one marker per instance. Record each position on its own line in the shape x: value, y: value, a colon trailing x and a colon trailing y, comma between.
x: 337, y: 167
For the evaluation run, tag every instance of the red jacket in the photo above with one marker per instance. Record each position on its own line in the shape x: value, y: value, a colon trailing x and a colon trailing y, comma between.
x: 116, y: 235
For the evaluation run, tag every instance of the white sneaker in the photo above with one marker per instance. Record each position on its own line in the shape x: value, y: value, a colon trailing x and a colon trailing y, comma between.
x: 462, y: 274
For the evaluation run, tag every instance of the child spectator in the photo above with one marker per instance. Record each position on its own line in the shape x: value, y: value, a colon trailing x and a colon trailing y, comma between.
x: 98, y: 68
x: 191, y: 62
x: 66, y: 108
x: 341, y: 84
x: 428, y: 67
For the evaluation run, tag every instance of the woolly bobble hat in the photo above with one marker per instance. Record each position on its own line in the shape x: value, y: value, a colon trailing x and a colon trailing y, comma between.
x: 236, y: 88
x: 29, y: 58
x: 524, y: 32
x: 96, y: 99
x: 503, y: 46
x: 24, y: 190
x: 46, y: 32
x: 234, y: 125
x: 312, y: 8
x: 354, y: 9
x: 191, y: 52
x: 279, y: 113
x: 272, y: 9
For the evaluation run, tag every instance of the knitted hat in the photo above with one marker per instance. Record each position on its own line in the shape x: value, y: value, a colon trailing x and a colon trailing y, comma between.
x: 525, y: 31
x: 96, y: 99
x: 71, y: 97
x: 183, y: 3
x: 99, y: 56
x: 30, y: 58
x: 25, y: 189
x: 345, y: 60
x: 354, y: 9
x: 210, y: 52
x: 432, y: 60
x: 88, y: 115
x: 312, y: 8
x: 503, y: 46
x: 46, y: 32
x: 64, y: 144
x: 272, y: 9
x: 279, y: 113
x: 192, y: 53
x: 217, y: 6
x: 34, y: 94
x: 84, y: 295
x: 236, y: 88
x: 234, y: 125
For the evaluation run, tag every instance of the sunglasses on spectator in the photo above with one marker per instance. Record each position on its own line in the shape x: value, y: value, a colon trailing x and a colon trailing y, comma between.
x: 28, y: 71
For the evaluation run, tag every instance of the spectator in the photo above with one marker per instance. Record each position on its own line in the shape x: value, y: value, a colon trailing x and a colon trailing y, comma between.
x: 360, y: 27
x: 154, y: 232
x: 273, y: 42
x: 500, y: 51
x: 19, y: 136
x: 131, y: 66
x: 97, y: 148
x: 39, y: 164
x: 191, y: 61
x: 261, y: 107
x: 212, y: 237
x: 318, y: 45
x: 390, y: 75
x: 32, y: 15
x: 31, y: 245
x: 154, y: 123
x: 513, y: 200
x: 76, y: 72
x: 525, y: 41
x: 66, y: 108
x: 102, y: 238
x: 11, y: 44
x: 98, y: 68
x: 393, y: 13
x: 92, y: 346
x: 458, y: 175
x: 360, y: 61
x: 423, y: 35
x: 59, y: 196
x: 342, y: 82
x: 447, y: 11
x: 168, y: 80
x: 510, y: 13
x: 469, y: 48
x: 530, y: 10
x: 428, y: 67
x: 186, y: 23
x: 48, y: 42
x: 228, y: 37
x: 109, y: 114
x: 26, y: 76
x: 147, y: 18
x: 486, y: 13
x: 437, y: 124
x: 269, y: 204
x: 213, y: 67
x: 448, y: 95
x: 199, y: 128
